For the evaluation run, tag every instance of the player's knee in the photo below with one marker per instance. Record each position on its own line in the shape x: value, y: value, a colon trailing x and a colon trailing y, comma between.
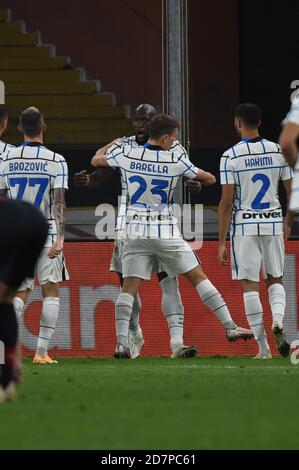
x: 273, y: 280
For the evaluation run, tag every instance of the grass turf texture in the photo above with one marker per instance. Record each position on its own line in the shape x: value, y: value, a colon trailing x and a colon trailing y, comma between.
x: 155, y: 403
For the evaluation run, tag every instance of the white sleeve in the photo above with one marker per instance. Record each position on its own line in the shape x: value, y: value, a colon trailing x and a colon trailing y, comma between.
x: 2, y: 179
x: 286, y: 173
x: 187, y: 168
x: 61, y: 176
x: 226, y: 171
x: 293, y: 115
x: 113, y: 156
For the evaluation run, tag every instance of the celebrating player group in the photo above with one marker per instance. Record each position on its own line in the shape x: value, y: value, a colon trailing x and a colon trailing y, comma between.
x: 151, y: 163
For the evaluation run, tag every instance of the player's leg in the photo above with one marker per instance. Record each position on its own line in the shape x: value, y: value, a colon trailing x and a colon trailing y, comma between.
x: 137, y: 264
x: 173, y: 310
x: 247, y: 261
x: 10, y: 369
x: 136, y: 341
x: 50, y: 273
x: 123, y: 314
x: 48, y: 321
x: 273, y: 267
x: 212, y: 298
x: 21, y: 298
x: 189, y: 265
x: 254, y: 314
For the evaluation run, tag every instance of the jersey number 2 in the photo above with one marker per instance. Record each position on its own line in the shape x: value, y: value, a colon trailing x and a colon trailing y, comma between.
x: 257, y: 204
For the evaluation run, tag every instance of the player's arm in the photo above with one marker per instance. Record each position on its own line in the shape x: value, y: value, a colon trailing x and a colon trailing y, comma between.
x: 59, y: 209
x: 289, y: 218
x: 205, y: 178
x: 99, y: 160
x: 287, y: 142
x: 224, y: 219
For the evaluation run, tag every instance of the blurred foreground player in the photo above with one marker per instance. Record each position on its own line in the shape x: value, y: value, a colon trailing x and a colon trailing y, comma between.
x: 250, y: 175
x: 4, y: 146
x: 22, y: 236
x: 172, y: 306
x: 152, y: 174
x: 37, y: 175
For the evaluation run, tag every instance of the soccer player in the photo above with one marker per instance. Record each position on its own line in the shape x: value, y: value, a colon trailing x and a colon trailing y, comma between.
x: 3, y: 126
x: 151, y: 175
x: 22, y: 237
x: 172, y: 306
x: 250, y: 173
x: 37, y: 175
x: 288, y: 143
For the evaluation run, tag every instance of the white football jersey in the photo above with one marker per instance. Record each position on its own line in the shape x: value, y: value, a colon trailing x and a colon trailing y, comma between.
x: 255, y: 167
x: 293, y: 117
x: 4, y: 147
x: 30, y: 173
x: 122, y: 211
x: 150, y: 176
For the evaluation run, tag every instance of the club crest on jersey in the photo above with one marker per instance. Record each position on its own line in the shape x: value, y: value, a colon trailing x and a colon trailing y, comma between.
x: 149, y: 167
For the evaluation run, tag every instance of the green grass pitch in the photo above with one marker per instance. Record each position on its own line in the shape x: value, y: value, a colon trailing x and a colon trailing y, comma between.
x: 155, y: 403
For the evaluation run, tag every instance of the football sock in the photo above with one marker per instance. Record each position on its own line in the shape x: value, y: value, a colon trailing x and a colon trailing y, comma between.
x: 214, y: 300
x: 123, y: 312
x: 277, y: 300
x: 254, y: 314
x: 134, y: 322
x: 173, y: 310
x: 48, y: 322
x: 9, y: 337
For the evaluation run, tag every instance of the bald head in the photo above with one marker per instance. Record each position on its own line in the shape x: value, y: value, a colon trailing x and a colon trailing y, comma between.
x: 31, y: 122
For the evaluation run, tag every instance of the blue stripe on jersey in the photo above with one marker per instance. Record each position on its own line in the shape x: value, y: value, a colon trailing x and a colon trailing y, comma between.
x: 31, y: 173
x: 257, y: 223
x: 240, y: 199
x: 264, y: 148
x: 63, y: 174
x: 38, y: 150
x: 188, y: 168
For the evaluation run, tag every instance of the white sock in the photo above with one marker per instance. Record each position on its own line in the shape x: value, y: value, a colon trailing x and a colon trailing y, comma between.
x: 123, y: 313
x: 134, y: 322
x: 173, y: 310
x: 214, y: 300
x: 19, y: 307
x: 277, y: 300
x: 254, y: 314
x: 48, y: 322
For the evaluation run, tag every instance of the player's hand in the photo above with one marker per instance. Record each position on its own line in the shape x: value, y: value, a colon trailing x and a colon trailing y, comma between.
x: 286, y: 230
x: 81, y: 179
x: 57, y: 248
x: 222, y: 255
x: 194, y: 186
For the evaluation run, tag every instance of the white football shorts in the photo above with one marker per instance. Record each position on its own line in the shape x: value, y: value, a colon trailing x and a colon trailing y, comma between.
x: 140, y: 255
x: 116, y: 260
x: 47, y: 270
x: 251, y: 253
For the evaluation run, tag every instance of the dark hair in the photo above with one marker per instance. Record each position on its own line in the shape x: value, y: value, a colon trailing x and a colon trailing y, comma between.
x: 145, y: 111
x: 162, y: 124
x: 31, y: 122
x: 249, y: 113
x: 3, y: 112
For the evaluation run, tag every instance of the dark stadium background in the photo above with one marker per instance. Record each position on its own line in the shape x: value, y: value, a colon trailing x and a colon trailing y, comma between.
x: 250, y: 54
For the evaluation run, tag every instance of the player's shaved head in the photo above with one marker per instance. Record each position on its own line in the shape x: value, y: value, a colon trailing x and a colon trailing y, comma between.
x: 250, y: 114
x: 3, y: 112
x: 31, y: 122
x: 145, y: 111
x: 162, y: 124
